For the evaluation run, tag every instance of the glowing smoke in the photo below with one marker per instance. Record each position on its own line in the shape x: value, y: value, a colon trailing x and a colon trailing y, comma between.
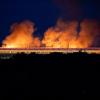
x: 21, y: 36
x: 63, y: 35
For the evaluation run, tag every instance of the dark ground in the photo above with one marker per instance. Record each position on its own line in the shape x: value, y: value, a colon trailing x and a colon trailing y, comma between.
x: 54, y: 75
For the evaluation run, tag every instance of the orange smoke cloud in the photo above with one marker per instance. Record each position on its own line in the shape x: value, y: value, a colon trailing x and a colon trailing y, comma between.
x: 63, y: 35
x: 88, y: 33
x: 21, y: 36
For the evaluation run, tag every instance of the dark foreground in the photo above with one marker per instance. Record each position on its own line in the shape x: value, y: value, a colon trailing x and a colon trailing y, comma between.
x: 53, y: 75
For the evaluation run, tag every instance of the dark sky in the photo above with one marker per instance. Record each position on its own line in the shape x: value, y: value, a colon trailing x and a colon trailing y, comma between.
x: 45, y: 12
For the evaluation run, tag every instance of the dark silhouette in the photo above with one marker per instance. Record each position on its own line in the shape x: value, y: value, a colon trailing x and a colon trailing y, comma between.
x: 53, y: 74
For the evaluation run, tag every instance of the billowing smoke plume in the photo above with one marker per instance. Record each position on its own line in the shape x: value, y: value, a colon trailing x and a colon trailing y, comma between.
x: 63, y: 35
x: 89, y: 32
x: 21, y: 36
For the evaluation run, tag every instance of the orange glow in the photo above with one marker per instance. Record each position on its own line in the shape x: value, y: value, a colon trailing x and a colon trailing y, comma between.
x: 21, y: 36
x: 63, y: 35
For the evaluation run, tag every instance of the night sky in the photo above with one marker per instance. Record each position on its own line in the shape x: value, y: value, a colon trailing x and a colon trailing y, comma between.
x: 45, y: 12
